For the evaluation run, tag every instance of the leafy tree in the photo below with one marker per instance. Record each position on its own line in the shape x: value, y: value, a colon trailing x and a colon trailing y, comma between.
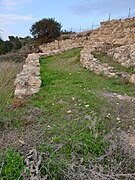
x: 46, y: 30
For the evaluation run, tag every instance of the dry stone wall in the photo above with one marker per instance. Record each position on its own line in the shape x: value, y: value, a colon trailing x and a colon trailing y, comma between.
x: 90, y: 62
x: 119, y: 31
x: 28, y: 81
x: 61, y: 46
x: 114, y: 32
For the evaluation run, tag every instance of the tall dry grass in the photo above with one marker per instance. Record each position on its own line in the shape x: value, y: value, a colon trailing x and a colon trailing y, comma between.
x: 8, y: 72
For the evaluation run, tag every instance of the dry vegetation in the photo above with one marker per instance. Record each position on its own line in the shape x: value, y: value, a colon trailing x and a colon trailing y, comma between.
x: 8, y: 72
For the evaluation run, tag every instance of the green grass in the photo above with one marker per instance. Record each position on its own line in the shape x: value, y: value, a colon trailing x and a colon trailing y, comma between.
x: 72, y: 111
x: 65, y: 142
x: 64, y: 77
x: 11, y: 165
x: 117, y: 66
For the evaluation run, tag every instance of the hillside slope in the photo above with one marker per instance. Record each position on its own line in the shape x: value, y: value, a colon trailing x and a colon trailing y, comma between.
x: 81, y: 124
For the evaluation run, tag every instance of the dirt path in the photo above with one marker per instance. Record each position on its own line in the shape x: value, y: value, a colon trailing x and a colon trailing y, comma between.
x: 26, y: 137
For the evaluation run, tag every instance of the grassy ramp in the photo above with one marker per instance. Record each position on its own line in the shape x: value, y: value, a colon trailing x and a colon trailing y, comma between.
x: 76, y: 123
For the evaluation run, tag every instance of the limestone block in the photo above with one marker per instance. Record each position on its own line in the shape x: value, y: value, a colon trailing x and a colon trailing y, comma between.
x: 20, y: 93
x: 132, y: 79
x: 34, y: 81
x: 111, y: 75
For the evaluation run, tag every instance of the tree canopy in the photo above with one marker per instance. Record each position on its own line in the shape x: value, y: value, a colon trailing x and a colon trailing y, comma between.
x: 46, y: 30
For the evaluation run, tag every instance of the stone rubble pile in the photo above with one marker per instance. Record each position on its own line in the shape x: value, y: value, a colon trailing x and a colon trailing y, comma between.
x: 28, y: 81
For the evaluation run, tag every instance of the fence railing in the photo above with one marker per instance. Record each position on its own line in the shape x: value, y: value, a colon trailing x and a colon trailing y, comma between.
x: 94, y: 25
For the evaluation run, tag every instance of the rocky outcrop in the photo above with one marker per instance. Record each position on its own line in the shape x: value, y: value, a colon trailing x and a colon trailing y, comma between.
x: 28, y: 81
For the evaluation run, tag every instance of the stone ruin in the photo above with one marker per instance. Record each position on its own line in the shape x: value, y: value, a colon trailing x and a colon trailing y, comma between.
x: 28, y: 81
x: 115, y: 37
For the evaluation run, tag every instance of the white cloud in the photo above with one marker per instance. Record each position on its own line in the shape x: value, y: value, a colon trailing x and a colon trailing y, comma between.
x: 6, y: 19
x: 13, y: 4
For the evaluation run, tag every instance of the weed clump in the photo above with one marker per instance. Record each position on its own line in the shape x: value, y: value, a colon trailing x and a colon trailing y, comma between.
x: 11, y: 165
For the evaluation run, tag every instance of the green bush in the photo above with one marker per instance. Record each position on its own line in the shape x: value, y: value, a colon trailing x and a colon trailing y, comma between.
x: 12, y: 44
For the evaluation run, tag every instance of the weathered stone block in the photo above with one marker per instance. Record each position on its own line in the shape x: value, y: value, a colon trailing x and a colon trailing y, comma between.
x: 28, y: 81
x: 132, y: 79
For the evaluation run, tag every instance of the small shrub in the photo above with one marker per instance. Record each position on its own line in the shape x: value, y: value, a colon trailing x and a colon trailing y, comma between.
x: 64, y: 37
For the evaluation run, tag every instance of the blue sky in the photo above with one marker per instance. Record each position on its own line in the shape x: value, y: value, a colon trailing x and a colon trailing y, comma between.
x: 17, y: 16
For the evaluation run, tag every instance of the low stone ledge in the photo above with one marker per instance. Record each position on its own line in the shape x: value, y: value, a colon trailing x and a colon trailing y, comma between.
x: 90, y: 62
x: 28, y: 81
